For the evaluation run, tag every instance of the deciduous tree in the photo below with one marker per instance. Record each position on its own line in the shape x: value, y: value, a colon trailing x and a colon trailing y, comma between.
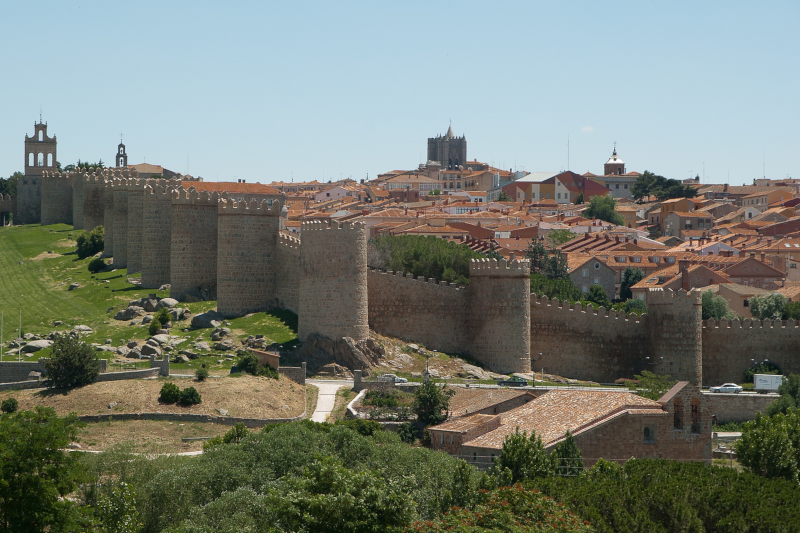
x: 602, y: 207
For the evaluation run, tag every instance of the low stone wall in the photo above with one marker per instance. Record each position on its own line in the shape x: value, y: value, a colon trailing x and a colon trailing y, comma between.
x: 28, y: 384
x: 186, y: 418
x: 129, y: 375
x: 738, y: 407
x: 296, y: 374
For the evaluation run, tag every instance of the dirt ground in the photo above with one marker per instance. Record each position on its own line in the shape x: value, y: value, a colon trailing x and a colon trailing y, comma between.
x: 243, y: 396
x: 148, y: 436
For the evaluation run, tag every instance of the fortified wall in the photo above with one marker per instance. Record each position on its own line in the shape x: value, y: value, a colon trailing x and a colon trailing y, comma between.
x: 29, y: 200
x: 8, y: 205
x: 56, y: 191
x: 156, y: 234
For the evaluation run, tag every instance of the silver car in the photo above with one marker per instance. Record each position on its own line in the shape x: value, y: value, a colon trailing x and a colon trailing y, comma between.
x: 726, y: 388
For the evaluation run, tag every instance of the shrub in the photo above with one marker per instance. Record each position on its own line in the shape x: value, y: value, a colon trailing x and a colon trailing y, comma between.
x: 9, y: 405
x: 764, y: 368
x: 635, y: 306
x: 365, y: 427
x: 268, y: 371
x: 73, y: 363
x: 189, y: 396
x: 236, y: 434
x: 169, y: 393
x: 97, y: 265
x: 430, y: 401
x: 163, y: 316
x: 248, y: 363
x: 201, y: 374
x: 90, y: 243
x: 155, y: 326
x: 407, y: 433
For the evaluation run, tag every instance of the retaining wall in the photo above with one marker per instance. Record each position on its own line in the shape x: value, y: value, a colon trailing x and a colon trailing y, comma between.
x: 295, y: 374
x: 187, y: 418
x: 738, y: 407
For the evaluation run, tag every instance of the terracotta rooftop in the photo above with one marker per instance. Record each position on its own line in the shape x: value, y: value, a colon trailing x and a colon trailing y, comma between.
x: 470, y: 400
x: 232, y: 187
x: 463, y: 424
x: 558, y: 411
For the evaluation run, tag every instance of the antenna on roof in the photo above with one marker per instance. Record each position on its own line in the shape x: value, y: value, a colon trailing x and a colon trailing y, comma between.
x: 40, y: 114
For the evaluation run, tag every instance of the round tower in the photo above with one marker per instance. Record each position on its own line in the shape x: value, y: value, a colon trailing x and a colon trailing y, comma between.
x: 333, y: 281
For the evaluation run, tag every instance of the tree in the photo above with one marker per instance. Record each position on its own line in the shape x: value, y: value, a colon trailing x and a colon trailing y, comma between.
x: 567, y: 457
x: 662, y: 188
x: 537, y: 254
x: 630, y: 277
x: 716, y: 307
x: 559, y: 236
x: 561, y: 289
x: 35, y: 474
x: 770, y: 445
x: 761, y: 368
x: 789, y: 392
x: 72, y: 364
x: 503, y: 197
x: 556, y: 267
x: 430, y: 401
x: 791, y: 311
x: 8, y: 186
x: 579, y: 200
x: 768, y: 306
x: 597, y: 295
x: 90, y: 243
x: 602, y: 207
x: 651, y: 385
x: 525, y: 457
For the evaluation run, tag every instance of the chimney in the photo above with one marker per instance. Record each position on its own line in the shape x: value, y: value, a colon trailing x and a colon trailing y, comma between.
x: 685, y: 284
x: 725, y: 188
x: 763, y: 257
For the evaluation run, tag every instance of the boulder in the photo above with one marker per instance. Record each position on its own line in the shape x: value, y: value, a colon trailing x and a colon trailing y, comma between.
x: 318, y: 351
x: 149, y: 305
x: 162, y: 331
x: 224, y: 345
x: 166, y: 303
x: 180, y: 314
x: 59, y: 323
x: 36, y: 346
x: 209, y: 319
x: 148, y: 350
x: 161, y: 339
x: 136, y: 321
x: 73, y: 286
x: 132, y: 344
x: 129, y: 313
x: 83, y: 329
x: 180, y: 358
x: 147, y: 319
x: 334, y: 369
x: 202, y: 346
x: 472, y: 371
x: 218, y: 333
x: 164, y: 287
x: 189, y: 354
x: 30, y: 337
x: 222, y: 411
x: 105, y: 348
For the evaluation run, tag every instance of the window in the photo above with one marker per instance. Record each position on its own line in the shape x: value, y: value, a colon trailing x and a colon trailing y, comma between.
x: 649, y: 433
x: 695, y: 416
x: 637, y: 259
x: 677, y: 418
x: 597, y: 281
x: 626, y: 186
x: 585, y: 273
x: 451, y: 439
x: 559, y: 196
x: 597, y: 265
x: 617, y: 186
x: 441, y: 439
x: 585, y: 288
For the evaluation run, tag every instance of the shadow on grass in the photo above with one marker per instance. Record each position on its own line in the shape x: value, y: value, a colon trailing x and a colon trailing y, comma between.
x: 288, y: 318
x: 131, y: 288
x: 52, y: 392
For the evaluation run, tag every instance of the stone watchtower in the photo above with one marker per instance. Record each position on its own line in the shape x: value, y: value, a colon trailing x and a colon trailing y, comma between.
x: 333, y: 281
x: 500, y: 314
x: 675, y: 326
x: 614, y: 165
x: 40, y: 156
x: 122, y: 157
x: 448, y: 150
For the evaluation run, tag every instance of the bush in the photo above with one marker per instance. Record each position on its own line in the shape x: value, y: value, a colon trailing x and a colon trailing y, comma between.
x: 635, y: 306
x: 268, y: 371
x: 155, y: 326
x: 9, y: 405
x: 163, y: 316
x: 431, y: 403
x: 170, y: 393
x: 764, y: 368
x: 90, y: 243
x: 247, y: 363
x: 189, y: 396
x: 97, y: 265
x: 407, y: 433
x: 73, y: 363
x: 201, y: 374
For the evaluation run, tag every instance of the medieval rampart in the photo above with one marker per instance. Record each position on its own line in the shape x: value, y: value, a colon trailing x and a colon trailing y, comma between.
x: 120, y: 242
x: 156, y: 234
x: 78, y: 179
x: 56, y: 205
x: 287, y: 273
x: 193, y: 250
x: 29, y: 200
x: 246, y: 254
x: 418, y: 310
x: 8, y: 205
x: 730, y: 347
x: 92, y: 208
x: 333, y: 281
x: 134, y: 241
x: 675, y: 328
x: 108, y: 220
x: 499, y: 314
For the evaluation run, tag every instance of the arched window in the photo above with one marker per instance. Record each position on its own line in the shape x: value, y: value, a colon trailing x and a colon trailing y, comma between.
x: 49, y: 160
x: 31, y: 163
x: 41, y: 136
x: 695, y: 416
x: 678, y: 415
x: 40, y: 160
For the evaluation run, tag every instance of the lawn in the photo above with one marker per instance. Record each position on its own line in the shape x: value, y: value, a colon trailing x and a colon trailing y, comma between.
x: 37, y: 266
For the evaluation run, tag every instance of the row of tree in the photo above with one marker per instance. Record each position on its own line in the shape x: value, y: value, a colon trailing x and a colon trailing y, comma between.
x: 650, y: 184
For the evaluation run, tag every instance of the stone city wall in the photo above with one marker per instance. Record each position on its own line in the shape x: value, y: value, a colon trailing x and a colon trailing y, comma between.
x: 120, y: 251
x: 108, y: 220
x: 135, y: 212
x: 78, y: 180
x: 29, y: 200
x: 333, y: 281
x: 193, y: 250
x: 246, y: 254
x: 93, y: 206
x: 156, y: 235
x: 8, y: 204
x: 499, y: 323
x: 730, y: 346
x: 676, y: 334
x: 738, y: 407
x: 56, y: 205
x: 419, y: 311
x: 287, y: 273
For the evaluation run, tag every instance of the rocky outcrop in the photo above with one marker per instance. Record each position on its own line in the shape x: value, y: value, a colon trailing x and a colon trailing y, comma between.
x: 209, y: 319
x: 319, y: 351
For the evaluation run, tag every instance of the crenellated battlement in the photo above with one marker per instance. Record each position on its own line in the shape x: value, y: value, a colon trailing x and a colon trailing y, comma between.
x: 335, y: 225
x: 254, y: 207
x: 669, y: 297
x: 198, y: 198
x: 158, y: 192
x: 288, y: 241
x: 493, y: 267
x: 408, y: 278
x: 577, y: 307
x: 755, y: 324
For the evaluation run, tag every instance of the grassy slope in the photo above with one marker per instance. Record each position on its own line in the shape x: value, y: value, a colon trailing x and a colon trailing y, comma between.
x: 39, y: 288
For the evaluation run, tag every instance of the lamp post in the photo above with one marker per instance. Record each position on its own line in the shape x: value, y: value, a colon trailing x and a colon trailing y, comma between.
x: 534, y: 359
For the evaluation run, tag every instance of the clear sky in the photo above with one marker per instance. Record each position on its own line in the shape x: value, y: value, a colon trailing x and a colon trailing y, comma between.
x: 310, y: 90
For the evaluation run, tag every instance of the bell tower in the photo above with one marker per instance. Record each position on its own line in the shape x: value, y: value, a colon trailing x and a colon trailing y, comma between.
x: 40, y: 151
x: 614, y: 165
x: 122, y: 156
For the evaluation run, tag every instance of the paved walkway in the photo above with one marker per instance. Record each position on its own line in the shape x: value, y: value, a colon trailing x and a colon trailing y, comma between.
x: 327, y: 397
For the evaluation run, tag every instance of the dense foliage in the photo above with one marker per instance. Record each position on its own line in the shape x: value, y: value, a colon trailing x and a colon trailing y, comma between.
x: 97, y: 265
x: 35, y: 474
x: 651, y: 385
x: 201, y: 373
x: 636, y: 306
x: 715, y: 307
x: 603, y: 208
x: 90, y: 243
x: 630, y: 277
x: 662, y: 188
x: 524, y: 457
x: 789, y: 392
x: 189, y: 396
x: 431, y: 402
x: 760, y: 368
x: 169, y: 393
x: 770, y: 445
x: 768, y: 306
x: 652, y: 495
x: 8, y: 186
x: 72, y: 364
x: 551, y: 263
x: 559, y: 236
x: 247, y: 362
x: 81, y: 165
x: 597, y: 295
x: 426, y: 256
x: 561, y: 289
x: 154, y: 327
x: 9, y: 405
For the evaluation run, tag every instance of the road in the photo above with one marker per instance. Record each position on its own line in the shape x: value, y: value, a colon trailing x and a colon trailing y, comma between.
x: 327, y: 397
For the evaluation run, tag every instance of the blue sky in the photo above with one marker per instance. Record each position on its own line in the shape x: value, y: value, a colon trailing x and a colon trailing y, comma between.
x: 310, y: 90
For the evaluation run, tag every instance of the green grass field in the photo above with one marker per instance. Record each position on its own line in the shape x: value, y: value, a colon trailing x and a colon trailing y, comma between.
x: 38, y: 264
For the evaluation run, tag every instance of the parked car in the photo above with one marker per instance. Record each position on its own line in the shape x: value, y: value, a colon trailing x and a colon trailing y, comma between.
x: 513, y: 382
x: 392, y: 379
x: 726, y: 388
